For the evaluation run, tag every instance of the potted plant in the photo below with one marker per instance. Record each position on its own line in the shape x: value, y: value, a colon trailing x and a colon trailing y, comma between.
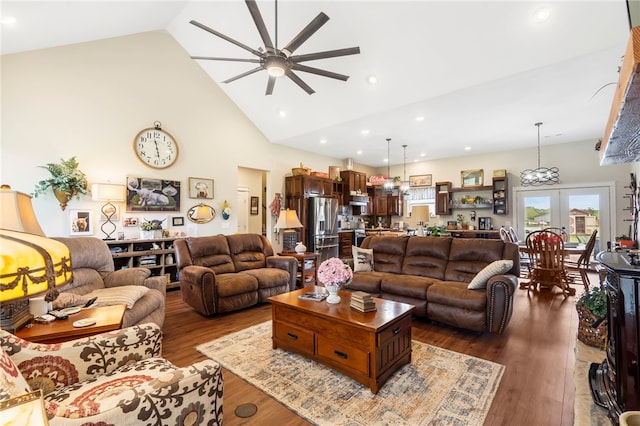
x: 66, y: 181
x: 624, y: 241
x: 592, y: 311
x: 148, y: 230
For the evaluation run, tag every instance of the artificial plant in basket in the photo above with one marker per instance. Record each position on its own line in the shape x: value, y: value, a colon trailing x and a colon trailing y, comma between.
x: 592, y: 312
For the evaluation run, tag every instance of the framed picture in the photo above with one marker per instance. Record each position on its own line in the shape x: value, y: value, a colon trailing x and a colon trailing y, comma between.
x: 254, y: 205
x: 420, y: 180
x: 471, y: 178
x: 200, y: 188
x: 80, y: 222
x: 109, y: 209
x: 130, y: 221
x: 177, y: 221
x: 152, y: 195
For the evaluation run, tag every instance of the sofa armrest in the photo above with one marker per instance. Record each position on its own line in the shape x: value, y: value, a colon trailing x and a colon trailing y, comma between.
x: 81, y: 359
x: 500, y: 290
x: 286, y: 263
x: 129, y: 276
x: 170, y: 399
x: 197, y: 284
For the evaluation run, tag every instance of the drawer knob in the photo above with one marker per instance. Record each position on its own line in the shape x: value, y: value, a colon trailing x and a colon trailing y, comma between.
x: 293, y: 336
x: 397, y: 330
x: 340, y: 354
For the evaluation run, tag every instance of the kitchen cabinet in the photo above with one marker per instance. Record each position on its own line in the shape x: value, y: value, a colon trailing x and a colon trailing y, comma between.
x: 394, y: 205
x: 500, y: 195
x: 442, y: 198
x: 380, y: 207
x: 354, y: 181
x: 312, y: 186
x: 345, y: 244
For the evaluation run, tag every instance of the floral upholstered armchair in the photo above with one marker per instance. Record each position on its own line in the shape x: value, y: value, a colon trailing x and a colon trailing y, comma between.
x: 114, y: 378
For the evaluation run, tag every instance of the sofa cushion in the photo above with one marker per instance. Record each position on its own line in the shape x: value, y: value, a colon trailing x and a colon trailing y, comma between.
x: 84, y: 281
x: 456, y: 294
x: 212, y: 252
x: 406, y: 285
x: 496, y: 267
x: 467, y: 257
x: 228, y: 285
x: 123, y: 295
x: 368, y: 282
x: 362, y: 259
x: 427, y: 256
x: 248, y: 251
x: 388, y: 253
x: 269, y: 277
x: 13, y: 383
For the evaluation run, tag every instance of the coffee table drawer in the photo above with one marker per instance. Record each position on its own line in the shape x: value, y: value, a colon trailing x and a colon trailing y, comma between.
x: 290, y: 335
x: 400, y: 328
x: 350, y: 357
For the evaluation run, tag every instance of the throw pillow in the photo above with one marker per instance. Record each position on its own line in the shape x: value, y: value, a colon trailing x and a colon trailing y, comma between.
x: 362, y: 259
x: 65, y: 300
x: 494, y: 268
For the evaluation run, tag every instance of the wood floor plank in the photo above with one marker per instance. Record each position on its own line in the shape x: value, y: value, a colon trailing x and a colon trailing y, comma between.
x: 537, y: 350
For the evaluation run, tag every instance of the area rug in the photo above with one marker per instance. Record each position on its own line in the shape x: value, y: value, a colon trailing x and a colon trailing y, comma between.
x: 439, y: 387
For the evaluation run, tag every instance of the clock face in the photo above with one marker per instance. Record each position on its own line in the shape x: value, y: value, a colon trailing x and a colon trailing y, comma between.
x: 155, y: 148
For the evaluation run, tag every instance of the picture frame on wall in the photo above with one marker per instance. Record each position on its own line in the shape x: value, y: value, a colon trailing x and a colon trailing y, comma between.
x: 200, y: 188
x: 254, y: 205
x: 152, y: 195
x: 80, y: 222
x: 130, y: 221
x: 472, y: 178
x: 177, y: 221
x: 420, y: 180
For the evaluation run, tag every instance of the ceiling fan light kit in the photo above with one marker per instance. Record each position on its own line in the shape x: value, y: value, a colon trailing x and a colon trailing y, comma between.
x: 541, y: 175
x: 280, y: 62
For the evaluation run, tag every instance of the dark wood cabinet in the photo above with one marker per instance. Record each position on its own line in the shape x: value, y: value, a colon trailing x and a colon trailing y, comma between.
x: 381, y: 204
x: 616, y: 381
x: 311, y: 186
x: 354, y: 181
x: 500, y: 195
x: 442, y: 198
x: 345, y: 243
x: 394, y: 205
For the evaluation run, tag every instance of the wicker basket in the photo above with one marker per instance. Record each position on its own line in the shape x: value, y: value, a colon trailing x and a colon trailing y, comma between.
x: 588, y: 335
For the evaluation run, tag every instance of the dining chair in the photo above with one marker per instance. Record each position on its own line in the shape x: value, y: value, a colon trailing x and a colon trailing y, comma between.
x: 525, y: 259
x: 580, y: 267
x: 505, y: 236
x: 559, y: 231
x: 546, y: 248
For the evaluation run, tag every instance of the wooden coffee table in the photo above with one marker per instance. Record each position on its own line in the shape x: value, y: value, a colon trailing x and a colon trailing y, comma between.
x: 368, y: 347
x: 108, y: 318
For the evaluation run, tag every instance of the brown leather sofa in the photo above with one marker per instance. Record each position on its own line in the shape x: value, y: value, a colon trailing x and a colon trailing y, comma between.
x: 432, y: 273
x: 224, y: 273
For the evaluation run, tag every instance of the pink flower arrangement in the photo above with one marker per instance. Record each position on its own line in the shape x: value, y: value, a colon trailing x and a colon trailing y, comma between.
x: 334, y: 271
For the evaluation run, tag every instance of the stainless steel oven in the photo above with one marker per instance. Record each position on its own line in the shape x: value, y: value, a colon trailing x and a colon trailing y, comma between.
x: 358, y: 236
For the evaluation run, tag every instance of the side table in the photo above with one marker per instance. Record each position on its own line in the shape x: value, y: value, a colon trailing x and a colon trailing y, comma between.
x: 108, y: 318
x: 307, y: 268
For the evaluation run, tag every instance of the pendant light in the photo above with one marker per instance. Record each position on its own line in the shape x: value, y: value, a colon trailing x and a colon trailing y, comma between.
x: 388, y: 183
x: 541, y: 175
x: 404, y: 186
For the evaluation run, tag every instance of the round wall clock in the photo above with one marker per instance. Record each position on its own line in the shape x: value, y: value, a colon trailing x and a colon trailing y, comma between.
x: 156, y: 147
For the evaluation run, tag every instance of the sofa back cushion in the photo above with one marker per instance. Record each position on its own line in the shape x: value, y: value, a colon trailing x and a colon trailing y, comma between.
x: 249, y: 251
x: 388, y: 252
x: 90, y: 261
x: 210, y: 251
x: 427, y: 256
x: 467, y: 257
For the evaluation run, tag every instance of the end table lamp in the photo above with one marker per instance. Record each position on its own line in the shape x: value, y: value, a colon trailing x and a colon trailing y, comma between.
x: 288, y: 220
x: 108, y: 192
x: 30, y: 263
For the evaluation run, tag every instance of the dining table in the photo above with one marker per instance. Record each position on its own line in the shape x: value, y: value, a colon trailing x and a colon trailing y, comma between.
x: 569, y: 250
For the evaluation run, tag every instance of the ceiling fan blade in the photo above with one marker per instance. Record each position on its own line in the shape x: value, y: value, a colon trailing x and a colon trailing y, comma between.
x: 213, y: 58
x: 270, y: 84
x: 317, y: 71
x: 306, y: 32
x: 325, y: 54
x: 244, y: 74
x: 297, y: 80
x: 224, y: 37
x: 262, y: 28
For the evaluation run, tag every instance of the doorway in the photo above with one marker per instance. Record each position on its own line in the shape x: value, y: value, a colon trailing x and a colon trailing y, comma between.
x: 243, y: 210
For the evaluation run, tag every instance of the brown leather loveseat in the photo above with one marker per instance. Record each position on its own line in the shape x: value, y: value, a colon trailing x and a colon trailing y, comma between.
x: 224, y: 273
x: 432, y: 273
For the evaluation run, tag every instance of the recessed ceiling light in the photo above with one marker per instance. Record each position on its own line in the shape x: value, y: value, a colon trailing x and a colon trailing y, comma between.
x: 386, y: 160
x: 420, y: 118
x: 282, y: 113
x: 372, y: 79
x: 323, y: 141
x: 467, y: 148
x: 359, y: 152
x: 422, y: 154
x: 365, y: 132
x: 8, y: 20
x: 541, y: 14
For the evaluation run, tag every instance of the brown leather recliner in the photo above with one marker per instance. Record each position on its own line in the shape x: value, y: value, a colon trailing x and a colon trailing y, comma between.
x: 225, y: 273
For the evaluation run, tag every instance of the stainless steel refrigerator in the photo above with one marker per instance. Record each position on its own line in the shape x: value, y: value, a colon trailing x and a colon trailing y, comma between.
x: 323, y: 227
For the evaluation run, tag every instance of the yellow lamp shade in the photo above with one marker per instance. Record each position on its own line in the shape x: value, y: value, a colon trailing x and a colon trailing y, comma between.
x: 31, y: 264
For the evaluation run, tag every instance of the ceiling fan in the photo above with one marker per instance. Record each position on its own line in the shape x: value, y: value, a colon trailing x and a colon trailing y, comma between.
x: 279, y: 62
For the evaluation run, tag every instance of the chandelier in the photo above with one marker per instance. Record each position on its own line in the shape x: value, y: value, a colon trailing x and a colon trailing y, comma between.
x: 388, y: 183
x: 541, y: 175
x: 404, y: 185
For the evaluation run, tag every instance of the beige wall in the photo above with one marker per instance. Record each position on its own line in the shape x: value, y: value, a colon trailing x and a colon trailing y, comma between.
x: 89, y: 100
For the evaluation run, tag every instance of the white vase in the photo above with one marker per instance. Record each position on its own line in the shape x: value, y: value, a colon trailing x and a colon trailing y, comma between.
x: 333, y: 293
x: 300, y: 248
x: 147, y: 235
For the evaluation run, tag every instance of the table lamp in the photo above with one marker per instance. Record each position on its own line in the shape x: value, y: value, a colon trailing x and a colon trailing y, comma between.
x: 108, y: 192
x: 30, y: 263
x: 288, y: 220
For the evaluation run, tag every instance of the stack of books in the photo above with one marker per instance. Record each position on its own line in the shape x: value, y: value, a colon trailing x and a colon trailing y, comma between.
x: 363, y: 302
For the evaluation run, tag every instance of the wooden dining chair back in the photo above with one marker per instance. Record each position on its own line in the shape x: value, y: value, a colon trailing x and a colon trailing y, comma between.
x: 514, y: 235
x: 505, y: 236
x: 559, y: 231
x: 580, y: 267
x: 525, y: 259
x: 546, y: 249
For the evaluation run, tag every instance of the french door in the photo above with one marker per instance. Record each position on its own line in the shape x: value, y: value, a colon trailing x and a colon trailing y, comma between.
x: 578, y: 209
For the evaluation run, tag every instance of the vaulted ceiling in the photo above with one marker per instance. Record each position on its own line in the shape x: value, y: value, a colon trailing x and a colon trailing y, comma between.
x: 478, y: 73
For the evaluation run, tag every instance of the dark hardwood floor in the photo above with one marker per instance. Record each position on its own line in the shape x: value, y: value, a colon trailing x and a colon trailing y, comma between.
x: 537, y: 350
